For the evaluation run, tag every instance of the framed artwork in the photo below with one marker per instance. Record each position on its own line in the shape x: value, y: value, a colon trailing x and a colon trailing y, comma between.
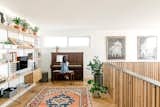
x: 30, y: 56
x: 147, y: 47
x: 116, y: 48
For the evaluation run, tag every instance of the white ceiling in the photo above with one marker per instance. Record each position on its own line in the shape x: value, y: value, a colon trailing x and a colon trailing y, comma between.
x: 59, y: 15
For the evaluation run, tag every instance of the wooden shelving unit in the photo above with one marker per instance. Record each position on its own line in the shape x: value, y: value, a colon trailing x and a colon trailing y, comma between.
x: 36, y: 73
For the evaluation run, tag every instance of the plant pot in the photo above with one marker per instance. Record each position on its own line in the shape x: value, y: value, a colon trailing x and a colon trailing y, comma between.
x: 98, y: 78
x: 24, y: 30
x: 96, y: 94
x: 17, y: 27
x: 35, y: 33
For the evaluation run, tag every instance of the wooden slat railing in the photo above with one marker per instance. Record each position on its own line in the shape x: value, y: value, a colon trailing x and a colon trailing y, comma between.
x: 133, y: 84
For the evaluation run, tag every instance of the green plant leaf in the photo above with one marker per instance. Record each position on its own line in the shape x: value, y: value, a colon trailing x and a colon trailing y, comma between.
x: 90, y: 81
x: 17, y: 20
x: 24, y: 24
x: 96, y: 65
x: 35, y: 29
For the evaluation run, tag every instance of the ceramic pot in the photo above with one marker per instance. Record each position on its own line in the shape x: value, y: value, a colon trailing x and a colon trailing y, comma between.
x: 98, y: 78
x: 17, y: 27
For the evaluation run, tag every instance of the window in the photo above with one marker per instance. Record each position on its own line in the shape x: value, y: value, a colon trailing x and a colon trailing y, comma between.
x: 79, y: 41
x: 55, y: 41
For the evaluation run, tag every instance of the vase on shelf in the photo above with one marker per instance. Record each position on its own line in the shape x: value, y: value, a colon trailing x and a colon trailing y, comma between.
x: 57, y: 49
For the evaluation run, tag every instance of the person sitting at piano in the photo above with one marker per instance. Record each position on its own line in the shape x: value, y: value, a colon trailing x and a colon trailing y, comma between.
x: 64, y: 66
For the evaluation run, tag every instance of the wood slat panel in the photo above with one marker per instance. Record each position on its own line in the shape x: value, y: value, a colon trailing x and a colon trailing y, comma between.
x: 129, y: 91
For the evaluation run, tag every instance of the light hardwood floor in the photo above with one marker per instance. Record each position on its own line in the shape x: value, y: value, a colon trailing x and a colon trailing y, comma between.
x: 102, y: 102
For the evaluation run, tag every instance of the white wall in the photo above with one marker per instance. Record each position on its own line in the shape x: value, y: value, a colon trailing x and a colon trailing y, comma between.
x: 98, y: 47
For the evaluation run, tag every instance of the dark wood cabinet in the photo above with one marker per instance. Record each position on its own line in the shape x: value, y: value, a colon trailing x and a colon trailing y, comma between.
x: 75, y: 60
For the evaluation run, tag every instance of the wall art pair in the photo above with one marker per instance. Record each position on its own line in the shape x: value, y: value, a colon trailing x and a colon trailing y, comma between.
x: 146, y: 47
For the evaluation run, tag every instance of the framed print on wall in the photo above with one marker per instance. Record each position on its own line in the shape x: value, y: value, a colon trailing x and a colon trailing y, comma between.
x: 116, y: 48
x: 147, y: 47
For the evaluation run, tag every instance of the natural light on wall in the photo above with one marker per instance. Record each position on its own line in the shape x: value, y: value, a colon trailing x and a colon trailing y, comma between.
x: 55, y: 41
x: 79, y: 41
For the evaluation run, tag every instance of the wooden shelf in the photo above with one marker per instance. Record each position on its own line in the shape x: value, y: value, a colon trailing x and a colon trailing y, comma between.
x: 8, y: 62
x: 17, y: 75
x: 12, y: 29
x: 3, y: 63
x: 14, y: 62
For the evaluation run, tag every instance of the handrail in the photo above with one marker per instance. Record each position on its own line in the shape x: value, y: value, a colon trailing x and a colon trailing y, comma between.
x: 130, y: 72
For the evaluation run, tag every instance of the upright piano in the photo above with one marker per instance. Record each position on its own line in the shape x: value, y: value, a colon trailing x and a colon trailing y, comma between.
x: 75, y: 60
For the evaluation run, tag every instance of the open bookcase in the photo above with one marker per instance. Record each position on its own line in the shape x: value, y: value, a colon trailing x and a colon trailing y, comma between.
x: 19, y: 63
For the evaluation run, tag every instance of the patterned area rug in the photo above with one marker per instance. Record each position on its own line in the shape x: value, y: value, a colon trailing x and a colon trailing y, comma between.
x: 61, y: 97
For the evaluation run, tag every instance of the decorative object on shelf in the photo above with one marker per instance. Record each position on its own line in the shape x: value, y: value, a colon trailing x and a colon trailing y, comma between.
x: 2, y: 17
x: 21, y: 44
x: 25, y: 25
x: 9, y: 20
x: 35, y: 30
x: 3, y: 58
x: 30, y: 30
x: 9, y: 55
x: 116, y: 47
x: 147, y: 47
x: 30, y: 56
x: 96, y: 89
x: 14, y: 56
x: 38, y: 54
x: 9, y: 92
x: 17, y: 21
x: 57, y: 49
x: 2, y: 78
x: 96, y: 68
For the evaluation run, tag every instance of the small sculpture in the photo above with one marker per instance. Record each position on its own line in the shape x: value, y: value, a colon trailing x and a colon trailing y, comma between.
x: 2, y: 17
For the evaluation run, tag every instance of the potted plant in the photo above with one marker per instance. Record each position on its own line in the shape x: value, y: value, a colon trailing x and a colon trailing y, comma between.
x: 35, y: 30
x: 30, y: 30
x: 17, y: 21
x: 96, y: 67
x: 96, y: 89
x: 25, y: 25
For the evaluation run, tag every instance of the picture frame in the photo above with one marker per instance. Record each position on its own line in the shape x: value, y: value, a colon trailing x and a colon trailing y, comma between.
x: 30, y: 56
x: 116, y: 49
x: 146, y: 47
